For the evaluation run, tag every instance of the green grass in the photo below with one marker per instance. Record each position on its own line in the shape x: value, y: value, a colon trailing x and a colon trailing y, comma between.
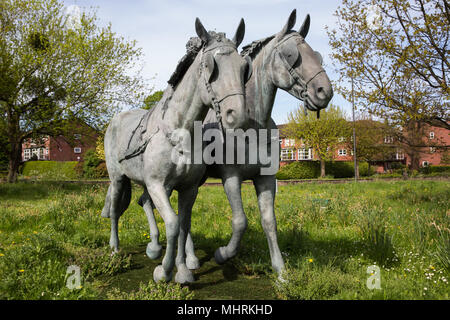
x: 329, y: 234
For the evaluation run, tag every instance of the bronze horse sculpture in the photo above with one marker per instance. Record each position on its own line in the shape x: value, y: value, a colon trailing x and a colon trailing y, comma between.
x: 283, y: 61
x: 139, y: 144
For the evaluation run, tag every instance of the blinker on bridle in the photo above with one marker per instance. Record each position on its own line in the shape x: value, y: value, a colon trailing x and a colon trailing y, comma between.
x: 214, y: 100
x: 297, y: 76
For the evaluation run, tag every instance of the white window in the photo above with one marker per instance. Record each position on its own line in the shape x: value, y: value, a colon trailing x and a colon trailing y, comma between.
x: 388, y: 139
x: 341, y: 139
x: 77, y: 150
x: 77, y: 136
x: 342, y: 152
x: 287, y: 154
x: 289, y: 142
x: 425, y: 163
x: 432, y: 149
x: 26, y: 154
x: 399, y: 155
x: 431, y: 135
x: 305, y: 154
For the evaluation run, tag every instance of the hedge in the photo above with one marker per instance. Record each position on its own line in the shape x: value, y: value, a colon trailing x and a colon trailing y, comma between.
x: 311, y: 170
x: 53, y: 170
x: 435, y: 169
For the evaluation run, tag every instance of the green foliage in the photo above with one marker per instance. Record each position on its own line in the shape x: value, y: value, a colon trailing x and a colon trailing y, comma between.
x: 311, y: 170
x: 99, y: 261
x: 310, y: 282
x: 321, y: 134
x: 90, y: 163
x: 50, y: 170
x: 152, y: 100
x: 299, y: 170
x: 53, y: 74
x: 435, y: 169
x: 153, y: 291
x: 389, y: 61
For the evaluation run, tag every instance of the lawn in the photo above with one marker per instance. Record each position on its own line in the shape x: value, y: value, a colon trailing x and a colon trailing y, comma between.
x: 329, y: 235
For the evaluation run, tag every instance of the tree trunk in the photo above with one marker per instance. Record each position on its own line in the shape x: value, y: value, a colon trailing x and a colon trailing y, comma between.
x: 322, y: 168
x: 357, y: 170
x: 15, y: 157
x: 415, y: 164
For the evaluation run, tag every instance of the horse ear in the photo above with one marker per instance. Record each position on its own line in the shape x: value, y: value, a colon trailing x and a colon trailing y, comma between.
x: 239, y: 36
x: 289, y: 24
x: 305, y: 26
x: 201, y: 31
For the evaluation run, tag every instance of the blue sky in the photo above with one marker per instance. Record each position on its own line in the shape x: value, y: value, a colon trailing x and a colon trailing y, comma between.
x: 162, y: 28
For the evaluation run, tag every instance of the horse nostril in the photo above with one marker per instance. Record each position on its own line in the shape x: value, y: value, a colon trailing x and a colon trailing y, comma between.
x: 321, y: 93
x: 230, y: 115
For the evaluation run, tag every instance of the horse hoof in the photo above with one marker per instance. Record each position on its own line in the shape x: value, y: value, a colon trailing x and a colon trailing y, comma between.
x: 192, y: 262
x: 183, y: 275
x: 153, y: 251
x: 159, y: 274
x: 220, y: 255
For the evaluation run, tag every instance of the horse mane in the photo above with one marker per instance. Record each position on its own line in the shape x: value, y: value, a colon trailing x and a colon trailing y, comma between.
x: 193, y: 47
x: 255, y: 47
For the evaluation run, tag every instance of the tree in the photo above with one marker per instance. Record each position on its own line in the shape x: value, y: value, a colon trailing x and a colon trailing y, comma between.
x: 370, y: 135
x: 53, y: 74
x: 322, y: 134
x: 152, y: 100
x: 397, y: 59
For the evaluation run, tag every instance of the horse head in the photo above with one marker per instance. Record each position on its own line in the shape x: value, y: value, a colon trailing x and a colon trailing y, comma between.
x: 297, y: 68
x: 223, y: 72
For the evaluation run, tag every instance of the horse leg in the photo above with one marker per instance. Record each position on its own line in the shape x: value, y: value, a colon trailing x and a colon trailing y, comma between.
x: 186, y: 199
x: 265, y: 190
x: 192, y: 261
x: 154, y: 248
x: 107, y: 206
x: 120, y: 197
x: 158, y: 194
x: 232, y: 187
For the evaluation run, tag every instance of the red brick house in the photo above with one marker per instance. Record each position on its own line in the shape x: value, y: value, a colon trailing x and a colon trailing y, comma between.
x: 60, y: 148
x: 291, y: 150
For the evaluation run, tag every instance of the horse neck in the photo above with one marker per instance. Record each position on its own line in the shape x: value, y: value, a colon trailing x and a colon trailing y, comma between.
x: 260, y: 90
x: 186, y: 105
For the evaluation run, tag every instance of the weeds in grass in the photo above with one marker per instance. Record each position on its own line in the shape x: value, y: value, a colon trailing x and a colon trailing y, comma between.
x: 153, y: 291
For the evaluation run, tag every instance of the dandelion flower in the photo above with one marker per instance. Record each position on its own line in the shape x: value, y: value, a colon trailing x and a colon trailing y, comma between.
x: 310, y: 260
x: 21, y: 270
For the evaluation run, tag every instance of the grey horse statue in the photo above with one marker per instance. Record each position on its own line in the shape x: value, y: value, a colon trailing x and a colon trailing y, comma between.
x: 283, y: 61
x: 139, y: 144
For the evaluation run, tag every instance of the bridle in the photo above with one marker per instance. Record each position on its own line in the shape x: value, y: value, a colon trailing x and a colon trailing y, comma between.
x: 214, y: 100
x: 298, y: 78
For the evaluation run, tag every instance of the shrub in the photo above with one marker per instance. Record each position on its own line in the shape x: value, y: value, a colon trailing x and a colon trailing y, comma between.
x: 435, y: 169
x: 50, y: 170
x: 90, y: 163
x: 299, y: 170
x: 101, y: 171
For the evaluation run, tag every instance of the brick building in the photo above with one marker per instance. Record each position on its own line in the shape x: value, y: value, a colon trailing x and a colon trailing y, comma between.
x: 292, y: 150
x: 60, y: 148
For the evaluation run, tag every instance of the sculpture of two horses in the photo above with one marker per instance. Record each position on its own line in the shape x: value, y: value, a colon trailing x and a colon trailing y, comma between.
x: 241, y: 93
